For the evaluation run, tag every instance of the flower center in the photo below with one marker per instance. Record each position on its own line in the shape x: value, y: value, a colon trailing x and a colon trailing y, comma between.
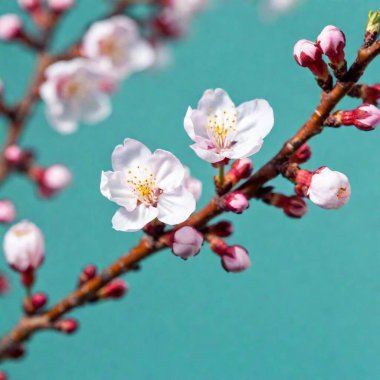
x: 70, y: 88
x: 221, y: 126
x: 143, y: 185
x: 113, y: 48
x: 342, y: 193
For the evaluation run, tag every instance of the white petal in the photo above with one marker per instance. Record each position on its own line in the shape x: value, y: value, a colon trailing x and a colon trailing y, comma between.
x: 244, y: 149
x: 129, y: 155
x: 113, y: 187
x: 95, y: 108
x: 188, y: 123
x: 123, y: 220
x: 255, y: 119
x: 215, y: 100
x: 63, y: 123
x: 208, y: 155
x: 167, y: 169
x: 141, y: 55
x: 176, y: 206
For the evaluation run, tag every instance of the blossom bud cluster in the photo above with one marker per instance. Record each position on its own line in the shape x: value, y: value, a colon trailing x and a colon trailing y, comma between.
x: 330, y: 42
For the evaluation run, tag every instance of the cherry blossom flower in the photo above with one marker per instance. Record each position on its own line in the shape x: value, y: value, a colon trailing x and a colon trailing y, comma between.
x: 220, y: 130
x: 117, y: 47
x: 24, y: 246
x: 146, y: 186
x: 74, y: 91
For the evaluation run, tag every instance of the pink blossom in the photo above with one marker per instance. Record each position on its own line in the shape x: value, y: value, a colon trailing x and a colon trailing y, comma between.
x: 332, y: 42
x: 236, y: 259
x: 7, y: 211
x: 10, y: 27
x: 236, y: 202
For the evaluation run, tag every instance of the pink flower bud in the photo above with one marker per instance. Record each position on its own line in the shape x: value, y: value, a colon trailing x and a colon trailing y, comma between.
x: 236, y: 259
x: 223, y: 228
x: 115, y: 289
x: 4, y: 284
x: 88, y: 273
x: 67, y: 326
x: 308, y: 54
x: 366, y: 117
x: 29, y: 5
x: 187, y: 242
x: 329, y: 189
x: 236, y: 202
x: 24, y: 247
x: 60, y: 5
x: 3, y: 376
x: 7, y: 211
x: 14, y: 155
x: 295, y: 207
x: 332, y: 42
x: 242, y: 168
x: 10, y: 27
x: 38, y: 301
x: 302, y: 154
x: 54, y: 179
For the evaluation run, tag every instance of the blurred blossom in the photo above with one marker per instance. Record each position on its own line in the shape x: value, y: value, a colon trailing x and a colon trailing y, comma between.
x: 74, y: 92
x: 146, y: 186
x: 24, y: 246
x: 220, y: 130
x: 116, y: 46
x: 270, y: 9
x: 192, y: 184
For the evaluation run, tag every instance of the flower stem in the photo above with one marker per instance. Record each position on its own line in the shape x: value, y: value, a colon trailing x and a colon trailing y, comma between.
x: 221, y: 175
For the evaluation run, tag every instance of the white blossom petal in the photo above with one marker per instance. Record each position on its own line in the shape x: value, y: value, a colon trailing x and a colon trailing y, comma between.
x: 123, y: 220
x: 167, y: 169
x: 176, y: 206
x: 214, y: 100
x: 112, y: 186
x: 129, y: 155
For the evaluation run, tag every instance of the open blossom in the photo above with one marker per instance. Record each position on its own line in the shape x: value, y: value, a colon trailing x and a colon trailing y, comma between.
x: 326, y: 188
x: 146, y: 186
x: 24, y: 246
x: 75, y: 91
x: 177, y: 15
x: 116, y: 46
x: 220, y: 130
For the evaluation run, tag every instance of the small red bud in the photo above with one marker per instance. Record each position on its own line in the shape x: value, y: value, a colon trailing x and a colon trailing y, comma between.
x: 16, y: 352
x: 88, y: 273
x: 302, y: 154
x: 242, y: 168
x: 39, y: 300
x: 295, y: 207
x: 67, y: 326
x: 3, y: 376
x: 115, y: 289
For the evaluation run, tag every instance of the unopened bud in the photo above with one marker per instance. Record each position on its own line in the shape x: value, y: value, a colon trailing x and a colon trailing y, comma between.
x: 16, y: 352
x: 88, y: 273
x: 332, y: 42
x: 30, y: 5
x: 187, y: 242
x: 236, y: 259
x: 10, y: 27
x: 53, y: 179
x: 67, y: 326
x: 302, y: 154
x: 308, y: 54
x: 366, y: 117
x: 59, y: 6
x: 7, y: 211
x: 3, y: 376
x: 115, y: 290
x: 236, y: 202
x: 4, y: 284
x: 295, y: 207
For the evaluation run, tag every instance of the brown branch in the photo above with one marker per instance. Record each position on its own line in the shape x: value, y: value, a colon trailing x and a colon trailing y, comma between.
x: 147, y: 246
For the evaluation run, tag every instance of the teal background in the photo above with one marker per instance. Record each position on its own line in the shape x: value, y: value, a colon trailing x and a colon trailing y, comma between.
x: 309, y: 306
